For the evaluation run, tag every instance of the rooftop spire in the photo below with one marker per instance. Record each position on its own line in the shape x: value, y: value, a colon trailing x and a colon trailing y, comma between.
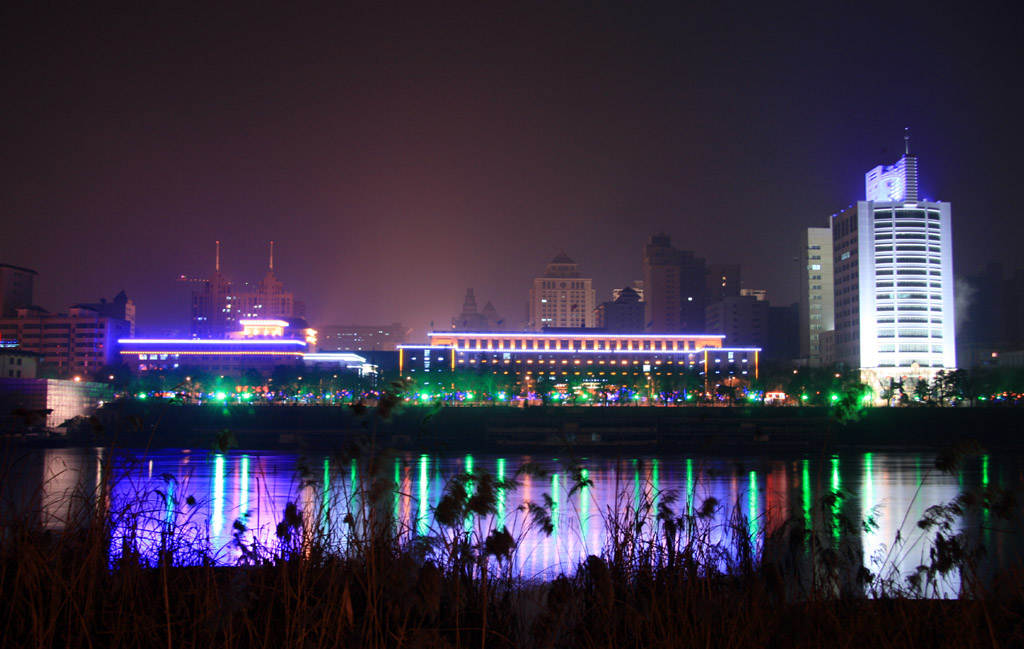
x: 906, y: 140
x: 271, y: 256
x: 216, y: 259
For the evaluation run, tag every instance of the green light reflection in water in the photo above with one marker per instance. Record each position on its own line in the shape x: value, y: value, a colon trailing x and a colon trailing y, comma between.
x: 752, y: 506
x: 500, y: 495
x: 217, y: 517
x: 636, y: 485
x: 326, y: 505
x: 690, y: 486
x: 805, y: 492
x: 584, y: 506
x: 655, y: 483
x: 468, y: 523
x: 422, y: 524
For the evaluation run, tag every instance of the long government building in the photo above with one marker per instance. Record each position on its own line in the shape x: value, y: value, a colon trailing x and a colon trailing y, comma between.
x: 582, y: 354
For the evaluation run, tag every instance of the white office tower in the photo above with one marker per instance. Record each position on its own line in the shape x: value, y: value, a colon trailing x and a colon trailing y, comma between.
x: 893, y: 264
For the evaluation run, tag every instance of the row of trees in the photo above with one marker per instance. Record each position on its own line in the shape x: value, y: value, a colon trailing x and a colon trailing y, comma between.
x: 803, y: 386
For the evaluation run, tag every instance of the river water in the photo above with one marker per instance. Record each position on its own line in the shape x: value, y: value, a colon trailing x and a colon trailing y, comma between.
x: 232, y: 503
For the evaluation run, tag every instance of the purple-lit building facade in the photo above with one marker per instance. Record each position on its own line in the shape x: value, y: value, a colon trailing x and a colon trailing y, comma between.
x: 228, y: 357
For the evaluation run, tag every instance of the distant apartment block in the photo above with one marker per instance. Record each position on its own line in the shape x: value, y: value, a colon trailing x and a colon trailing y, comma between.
x: 624, y: 314
x: 79, y: 342
x: 816, y: 292
x: 637, y: 286
x: 562, y: 297
x: 674, y: 288
x: 15, y: 289
x: 742, y: 319
x: 722, y: 281
x: 120, y: 308
x: 362, y: 338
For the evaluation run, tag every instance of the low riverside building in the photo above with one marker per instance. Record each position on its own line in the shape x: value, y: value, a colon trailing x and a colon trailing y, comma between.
x: 261, y: 345
x: 599, y: 357
x: 216, y: 356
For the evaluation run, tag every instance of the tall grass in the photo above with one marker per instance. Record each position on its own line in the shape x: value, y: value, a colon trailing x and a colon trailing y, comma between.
x: 670, y: 573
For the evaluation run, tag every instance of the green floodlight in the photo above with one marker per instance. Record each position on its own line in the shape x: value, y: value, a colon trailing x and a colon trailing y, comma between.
x: 834, y: 397
x: 142, y: 396
x: 804, y: 397
x: 221, y: 396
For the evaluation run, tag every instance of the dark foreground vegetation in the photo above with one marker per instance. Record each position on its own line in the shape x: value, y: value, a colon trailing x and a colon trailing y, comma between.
x: 667, y: 577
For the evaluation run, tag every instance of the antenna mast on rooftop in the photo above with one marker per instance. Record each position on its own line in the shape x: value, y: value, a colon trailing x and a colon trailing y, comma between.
x: 271, y: 256
x: 216, y: 262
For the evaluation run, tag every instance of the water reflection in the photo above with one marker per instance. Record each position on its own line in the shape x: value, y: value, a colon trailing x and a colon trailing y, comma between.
x: 169, y: 503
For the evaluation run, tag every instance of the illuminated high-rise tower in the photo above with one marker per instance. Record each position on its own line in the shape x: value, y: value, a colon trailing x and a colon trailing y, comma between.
x: 896, y: 182
x: 893, y: 264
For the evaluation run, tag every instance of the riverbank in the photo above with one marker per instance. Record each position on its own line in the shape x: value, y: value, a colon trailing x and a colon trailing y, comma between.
x: 150, y: 423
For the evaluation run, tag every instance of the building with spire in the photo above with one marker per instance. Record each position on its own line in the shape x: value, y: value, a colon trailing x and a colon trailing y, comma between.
x: 472, y: 319
x: 269, y: 300
x: 217, y: 307
x: 561, y: 297
x: 893, y: 266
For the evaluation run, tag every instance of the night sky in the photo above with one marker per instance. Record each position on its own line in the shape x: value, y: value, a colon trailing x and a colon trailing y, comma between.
x: 400, y: 153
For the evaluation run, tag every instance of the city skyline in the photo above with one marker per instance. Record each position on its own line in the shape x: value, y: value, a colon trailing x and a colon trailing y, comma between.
x: 399, y: 156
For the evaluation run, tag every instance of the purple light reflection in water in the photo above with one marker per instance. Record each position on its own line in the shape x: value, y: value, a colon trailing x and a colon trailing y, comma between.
x: 202, y: 497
